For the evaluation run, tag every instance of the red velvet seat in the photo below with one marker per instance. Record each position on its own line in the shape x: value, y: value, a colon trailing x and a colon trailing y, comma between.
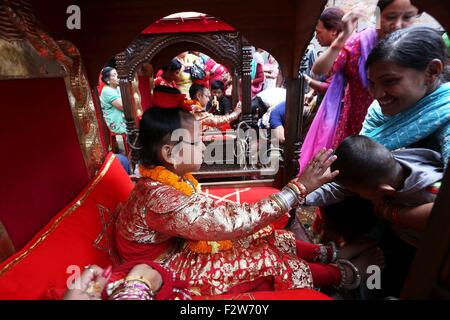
x: 40, y: 269
x: 68, y: 239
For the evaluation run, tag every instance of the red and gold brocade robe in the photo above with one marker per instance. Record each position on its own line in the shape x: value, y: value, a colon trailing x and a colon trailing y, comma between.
x: 156, y: 220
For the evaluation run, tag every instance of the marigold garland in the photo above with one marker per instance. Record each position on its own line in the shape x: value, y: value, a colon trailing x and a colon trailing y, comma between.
x: 194, y: 104
x: 164, y: 176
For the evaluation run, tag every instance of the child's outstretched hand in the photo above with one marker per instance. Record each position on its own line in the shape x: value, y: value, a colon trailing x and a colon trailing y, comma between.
x: 318, y: 172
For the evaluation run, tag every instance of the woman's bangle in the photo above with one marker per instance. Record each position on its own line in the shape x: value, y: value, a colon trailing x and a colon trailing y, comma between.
x: 334, y: 251
x: 327, y: 253
x: 289, y: 197
x: 140, y: 279
x: 132, y: 286
x: 356, y: 275
x: 302, y: 188
x: 298, y: 193
x: 286, y: 199
x: 131, y: 290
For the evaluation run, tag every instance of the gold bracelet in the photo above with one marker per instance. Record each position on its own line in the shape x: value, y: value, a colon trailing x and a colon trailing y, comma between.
x: 140, y: 279
x: 116, y: 284
x: 299, y: 190
x: 294, y: 188
x: 278, y: 202
x: 302, y: 188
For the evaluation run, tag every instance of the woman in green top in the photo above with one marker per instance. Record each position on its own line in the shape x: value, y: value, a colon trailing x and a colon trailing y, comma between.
x: 111, y: 101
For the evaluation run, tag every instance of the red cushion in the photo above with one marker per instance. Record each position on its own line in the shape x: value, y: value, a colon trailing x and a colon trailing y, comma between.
x: 67, y: 239
x: 240, y: 195
x: 298, y: 294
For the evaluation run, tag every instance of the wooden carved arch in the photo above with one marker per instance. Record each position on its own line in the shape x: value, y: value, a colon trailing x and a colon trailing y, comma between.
x: 229, y: 46
x: 226, y: 45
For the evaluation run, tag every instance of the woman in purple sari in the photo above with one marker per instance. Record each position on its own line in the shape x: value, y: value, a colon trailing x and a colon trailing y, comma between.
x: 345, y: 105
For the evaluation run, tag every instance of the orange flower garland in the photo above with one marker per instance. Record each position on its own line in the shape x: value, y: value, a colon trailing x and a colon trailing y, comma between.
x: 194, y: 104
x: 161, y: 174
x: 164, y: 176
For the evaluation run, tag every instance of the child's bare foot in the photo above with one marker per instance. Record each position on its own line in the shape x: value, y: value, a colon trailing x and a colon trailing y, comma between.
x: 351, y: 250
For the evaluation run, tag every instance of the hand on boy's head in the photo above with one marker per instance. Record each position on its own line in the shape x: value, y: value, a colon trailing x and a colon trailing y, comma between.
x: 318, y: 172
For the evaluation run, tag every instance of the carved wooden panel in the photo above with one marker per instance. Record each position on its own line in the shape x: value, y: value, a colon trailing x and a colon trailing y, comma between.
x: 226, y: 45
x: 26, y: 51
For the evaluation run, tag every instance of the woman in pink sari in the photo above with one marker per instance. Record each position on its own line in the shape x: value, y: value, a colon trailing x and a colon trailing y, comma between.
x: 345, y: 105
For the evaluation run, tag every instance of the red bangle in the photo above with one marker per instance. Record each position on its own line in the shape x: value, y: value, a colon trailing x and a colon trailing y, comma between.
x: 301, y: 186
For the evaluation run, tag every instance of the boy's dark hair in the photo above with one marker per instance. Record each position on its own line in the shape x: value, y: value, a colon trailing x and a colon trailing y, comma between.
x: 106, y: 73
x: 172, y: 66
x: 382, y: 4
x: 363, y: 162
x: 332, y: 18
x: 194, y: 89
x: 258, y: 106
x: 413, y: 47
x: 156, y: 126
x: 218, y: 85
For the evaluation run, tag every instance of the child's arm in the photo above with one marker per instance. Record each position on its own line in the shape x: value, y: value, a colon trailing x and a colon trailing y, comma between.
x: 327, y: 194
x: 214, y: 120
x: 198, y: 217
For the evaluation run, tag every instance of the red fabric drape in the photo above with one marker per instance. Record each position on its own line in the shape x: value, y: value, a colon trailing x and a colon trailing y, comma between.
x: 42, y: 167
x: 187, y: 25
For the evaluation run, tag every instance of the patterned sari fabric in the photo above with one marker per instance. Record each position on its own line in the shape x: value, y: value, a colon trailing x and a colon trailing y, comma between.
x: 345, y: 104
x: 357, y: 98
x: 429, y: 117
x: 156, y: 214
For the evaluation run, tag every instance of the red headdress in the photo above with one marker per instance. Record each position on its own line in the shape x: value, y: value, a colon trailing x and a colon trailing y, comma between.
x: 170, y: 100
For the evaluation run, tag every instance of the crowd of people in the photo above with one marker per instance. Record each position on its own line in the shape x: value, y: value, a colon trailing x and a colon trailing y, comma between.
x: 199, y: 78
x: 378, y: 113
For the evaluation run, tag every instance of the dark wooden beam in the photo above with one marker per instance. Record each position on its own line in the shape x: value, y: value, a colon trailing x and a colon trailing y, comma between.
x: 293, y: 127
x: 433, y: 250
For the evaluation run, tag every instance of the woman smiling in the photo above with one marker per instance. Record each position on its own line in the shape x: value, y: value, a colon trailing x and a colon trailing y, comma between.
x: 406, y: 74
